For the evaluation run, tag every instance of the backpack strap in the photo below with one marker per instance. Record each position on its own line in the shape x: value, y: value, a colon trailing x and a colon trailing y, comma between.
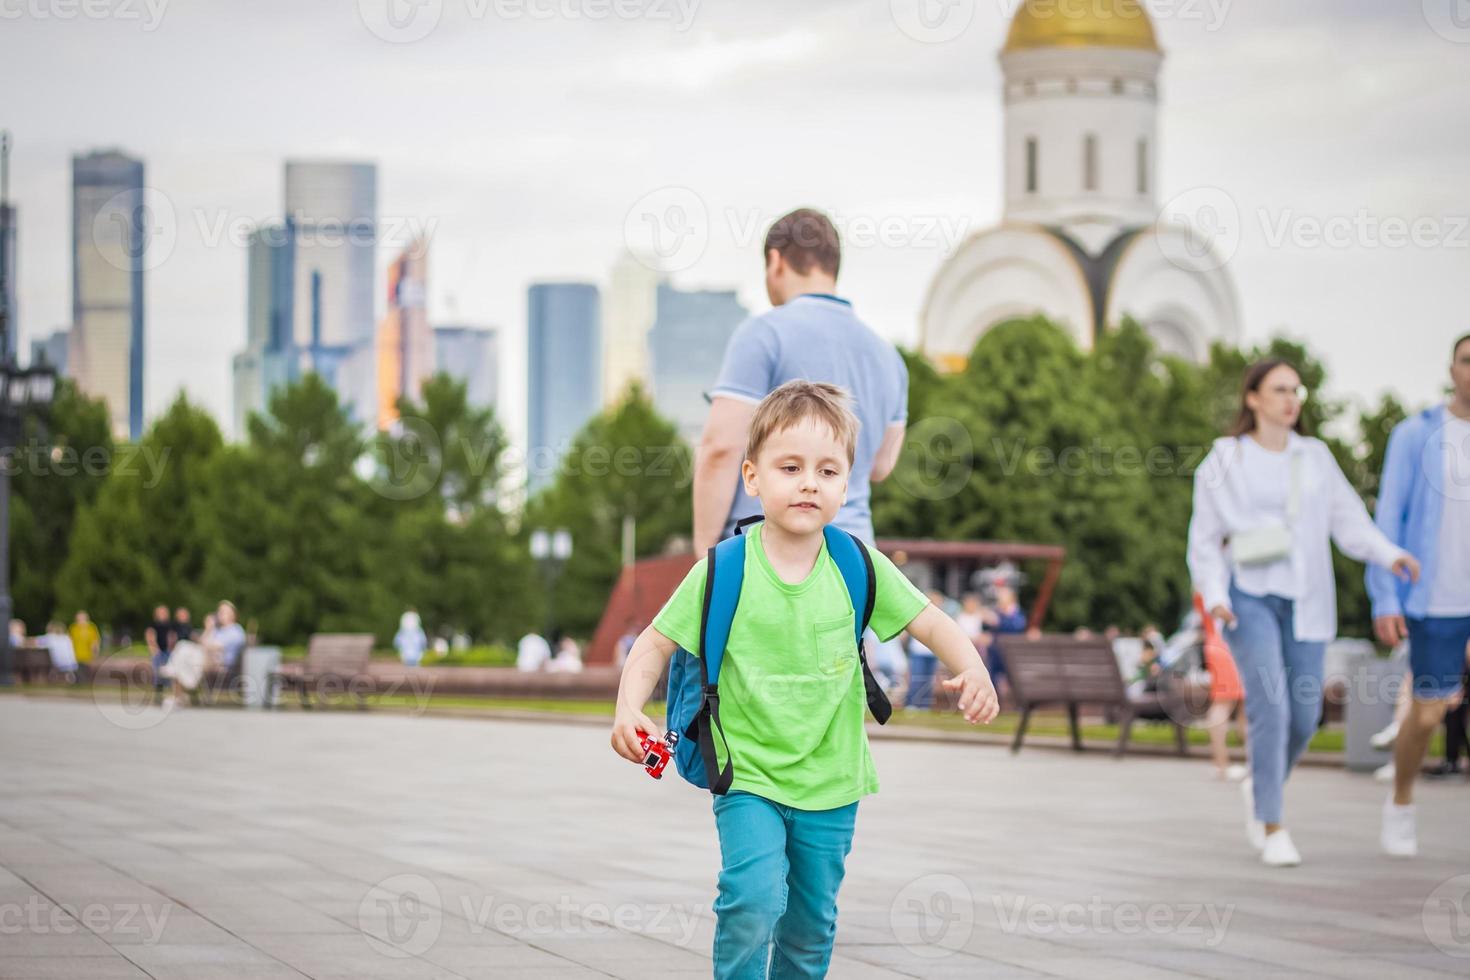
x: 856, y: 566
x: 723, y: 577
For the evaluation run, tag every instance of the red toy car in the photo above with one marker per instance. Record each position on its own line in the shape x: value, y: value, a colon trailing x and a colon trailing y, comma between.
x: 657, y: 753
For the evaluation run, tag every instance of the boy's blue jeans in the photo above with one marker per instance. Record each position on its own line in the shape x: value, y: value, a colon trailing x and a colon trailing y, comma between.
x: 780, y: 871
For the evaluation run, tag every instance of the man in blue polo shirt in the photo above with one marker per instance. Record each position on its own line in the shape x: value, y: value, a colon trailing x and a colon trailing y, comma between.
x: 811, y: 334
x: 1424, y: 506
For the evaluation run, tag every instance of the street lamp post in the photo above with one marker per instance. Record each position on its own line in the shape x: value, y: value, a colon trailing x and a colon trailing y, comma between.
x: 551, y: 549
x: 23, y: 391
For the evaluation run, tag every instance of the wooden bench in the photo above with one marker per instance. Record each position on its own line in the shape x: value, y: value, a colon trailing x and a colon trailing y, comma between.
x: 332, y: 659
x: 31, y: 663
x: 1061, y: 670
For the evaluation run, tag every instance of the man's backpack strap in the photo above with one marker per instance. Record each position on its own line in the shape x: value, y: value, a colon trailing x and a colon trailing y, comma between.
x: 724, y: 574
x: 856, y: 566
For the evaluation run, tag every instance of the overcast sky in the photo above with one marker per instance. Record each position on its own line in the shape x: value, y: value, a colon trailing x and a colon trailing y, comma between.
x: 528, y: 136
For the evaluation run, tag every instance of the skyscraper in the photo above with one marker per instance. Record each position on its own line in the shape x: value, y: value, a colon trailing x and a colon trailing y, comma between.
x: 268, y: 356
x: 631, y: 304
x: 7, y: 249
x: 470, y: 355
x: 332, y: 223
x: 564, y: 387
x: 53, y: 350
x: 405, y: 342
x: 685, y: 348
x: 109, y: 234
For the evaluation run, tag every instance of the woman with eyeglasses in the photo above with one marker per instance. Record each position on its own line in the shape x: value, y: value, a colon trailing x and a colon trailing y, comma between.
x: 1269, y: 501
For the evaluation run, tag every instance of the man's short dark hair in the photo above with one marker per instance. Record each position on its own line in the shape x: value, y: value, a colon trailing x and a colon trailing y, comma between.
x: 1455, y: 351
x: 806, y: 238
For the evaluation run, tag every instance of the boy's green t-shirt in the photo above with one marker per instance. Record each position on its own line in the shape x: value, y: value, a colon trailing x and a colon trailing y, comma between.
x: 792, y: 701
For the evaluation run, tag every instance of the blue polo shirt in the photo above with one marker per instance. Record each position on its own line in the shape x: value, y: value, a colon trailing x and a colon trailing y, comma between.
x: 817, y: 337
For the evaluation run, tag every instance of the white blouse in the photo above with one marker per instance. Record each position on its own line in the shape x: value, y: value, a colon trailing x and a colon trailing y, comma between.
x: 1231, y: 496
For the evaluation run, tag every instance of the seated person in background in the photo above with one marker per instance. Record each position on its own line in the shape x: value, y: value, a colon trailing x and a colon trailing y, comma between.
x: 568, y: 659
x: 533, y: 653
x: 63, y: 655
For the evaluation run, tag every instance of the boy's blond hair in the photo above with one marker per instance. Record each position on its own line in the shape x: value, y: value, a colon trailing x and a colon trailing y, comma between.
x: 796, y: 401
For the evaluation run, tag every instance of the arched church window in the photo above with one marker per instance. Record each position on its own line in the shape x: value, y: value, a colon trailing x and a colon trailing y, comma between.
x: 1143, y: 166
x: 1032, y: 152
x: 1089, y: 162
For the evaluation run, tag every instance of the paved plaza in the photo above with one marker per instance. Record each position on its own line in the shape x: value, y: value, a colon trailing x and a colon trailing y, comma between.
x: 217, y: 843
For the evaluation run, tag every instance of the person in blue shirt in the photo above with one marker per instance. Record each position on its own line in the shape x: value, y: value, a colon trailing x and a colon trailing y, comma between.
x: 1424, y: 507
x: 810, y: 334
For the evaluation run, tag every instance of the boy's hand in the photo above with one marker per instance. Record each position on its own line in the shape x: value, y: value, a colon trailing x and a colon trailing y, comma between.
x: 625, y: 741
x: 977, y: 701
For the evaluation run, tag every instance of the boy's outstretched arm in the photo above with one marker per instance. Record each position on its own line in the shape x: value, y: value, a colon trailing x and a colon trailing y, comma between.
x: 645, y: 665
x: 944, y: 636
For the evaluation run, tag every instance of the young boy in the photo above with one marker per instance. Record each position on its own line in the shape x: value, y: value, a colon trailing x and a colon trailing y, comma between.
x: 792, y: 696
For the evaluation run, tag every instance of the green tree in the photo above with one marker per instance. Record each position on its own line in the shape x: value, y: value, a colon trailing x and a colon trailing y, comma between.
x: 60, y: 468
x: 453, y: 555
x: 139, y: 542
x: 628, y: 461
x: 289, y: 524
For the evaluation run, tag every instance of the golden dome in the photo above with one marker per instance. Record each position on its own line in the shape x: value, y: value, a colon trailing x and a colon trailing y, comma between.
x: 1081, y: 24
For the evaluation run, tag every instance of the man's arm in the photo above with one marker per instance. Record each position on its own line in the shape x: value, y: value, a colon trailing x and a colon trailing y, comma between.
x: 888, y: 453
x: 717, y: 462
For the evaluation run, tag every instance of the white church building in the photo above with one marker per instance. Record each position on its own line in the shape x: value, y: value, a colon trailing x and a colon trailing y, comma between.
x: 1081, y: 241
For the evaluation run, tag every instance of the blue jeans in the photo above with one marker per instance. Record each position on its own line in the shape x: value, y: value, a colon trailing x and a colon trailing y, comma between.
x: 922, y: 668
x: 780, y: 871
x: 1283, y: 691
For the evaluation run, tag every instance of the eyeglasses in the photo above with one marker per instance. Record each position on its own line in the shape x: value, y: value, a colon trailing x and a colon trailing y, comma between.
x: 1299, y: 392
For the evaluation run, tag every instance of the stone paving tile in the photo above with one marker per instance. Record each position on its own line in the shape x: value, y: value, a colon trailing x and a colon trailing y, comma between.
x: 356, y: 845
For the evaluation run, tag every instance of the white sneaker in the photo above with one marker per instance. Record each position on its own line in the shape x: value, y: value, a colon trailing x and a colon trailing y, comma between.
x: 1255, y: 830
x: 170, y: 703
x: 1398, y: 838
x: 1385, y: 739
x: 1279, y: 851
x: 1236, y: 772
x: 1384, y: 773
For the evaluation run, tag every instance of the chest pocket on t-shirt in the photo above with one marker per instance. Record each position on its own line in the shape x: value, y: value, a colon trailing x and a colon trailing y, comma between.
x: 836, y: 647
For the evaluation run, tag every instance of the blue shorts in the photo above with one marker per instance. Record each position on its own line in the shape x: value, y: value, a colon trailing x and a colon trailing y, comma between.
x: 1437, y: 655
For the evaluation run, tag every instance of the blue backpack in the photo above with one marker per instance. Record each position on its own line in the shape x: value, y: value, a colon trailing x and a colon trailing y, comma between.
x: 694, y: 698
